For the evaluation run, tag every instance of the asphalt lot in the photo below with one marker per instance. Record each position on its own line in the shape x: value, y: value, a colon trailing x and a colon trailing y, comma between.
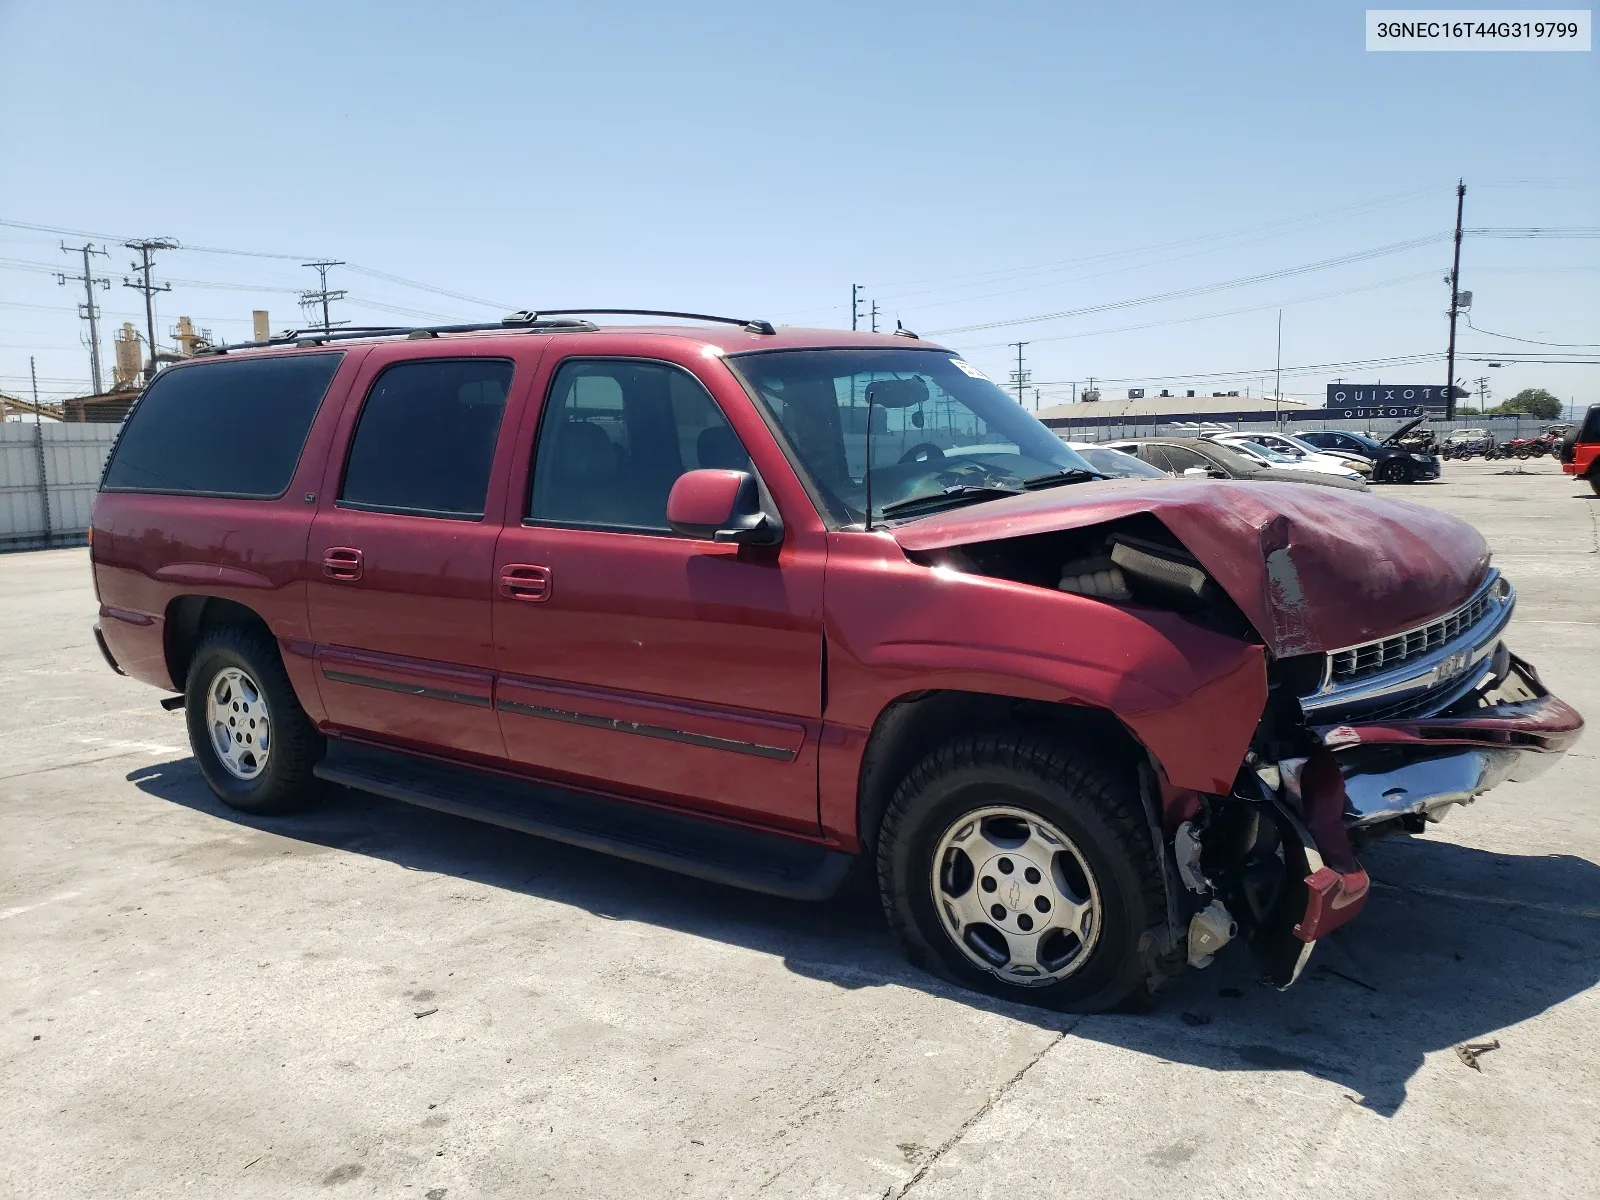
x: 376, y: 1000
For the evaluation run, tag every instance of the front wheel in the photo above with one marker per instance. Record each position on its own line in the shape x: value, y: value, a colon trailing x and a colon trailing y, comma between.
x: 251, y: 739
x: 1022, y: 868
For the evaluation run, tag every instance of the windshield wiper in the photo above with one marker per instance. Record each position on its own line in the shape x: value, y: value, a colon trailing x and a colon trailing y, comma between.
x: 1056, y: 478
x: 960, y: 494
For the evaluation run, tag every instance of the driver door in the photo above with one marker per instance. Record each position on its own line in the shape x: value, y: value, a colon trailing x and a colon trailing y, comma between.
x: 635, y: 659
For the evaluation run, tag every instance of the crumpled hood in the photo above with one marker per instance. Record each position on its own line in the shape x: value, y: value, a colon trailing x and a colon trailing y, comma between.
x: 1314, y: 569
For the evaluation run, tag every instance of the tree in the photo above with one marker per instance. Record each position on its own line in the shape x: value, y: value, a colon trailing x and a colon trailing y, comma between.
x: 1536, y: 402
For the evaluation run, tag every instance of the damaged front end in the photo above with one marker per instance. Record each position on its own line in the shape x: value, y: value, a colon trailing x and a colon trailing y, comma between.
x: 1360, y: 743
x: 1365, y: 732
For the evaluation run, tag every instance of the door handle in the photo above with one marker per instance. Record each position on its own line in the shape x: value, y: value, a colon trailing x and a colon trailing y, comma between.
x: 525, y: 582
x: 342, y: 562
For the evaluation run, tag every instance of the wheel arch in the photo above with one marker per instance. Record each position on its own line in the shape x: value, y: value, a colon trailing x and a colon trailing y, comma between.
x: 189, y: 618
x: 914, y: 724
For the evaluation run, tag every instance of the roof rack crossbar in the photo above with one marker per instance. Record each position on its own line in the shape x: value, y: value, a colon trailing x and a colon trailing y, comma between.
x: 754, y: 325
x: 544, y: 319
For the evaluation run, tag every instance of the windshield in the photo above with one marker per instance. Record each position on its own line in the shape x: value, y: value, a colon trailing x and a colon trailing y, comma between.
x: 939, y: 428
x: 1302, y: 447
x: 1260, y: 451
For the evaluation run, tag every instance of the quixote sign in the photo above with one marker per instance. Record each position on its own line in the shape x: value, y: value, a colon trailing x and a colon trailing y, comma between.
x: 1388, y: 399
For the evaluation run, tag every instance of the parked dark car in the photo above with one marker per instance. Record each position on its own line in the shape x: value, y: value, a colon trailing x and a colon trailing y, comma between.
x: 1219, y: 461
x: 1391, y: 462
x: 776, y: 607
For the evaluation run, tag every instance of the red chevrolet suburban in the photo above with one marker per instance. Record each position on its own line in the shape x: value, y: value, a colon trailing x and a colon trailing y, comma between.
x: 762, y: 605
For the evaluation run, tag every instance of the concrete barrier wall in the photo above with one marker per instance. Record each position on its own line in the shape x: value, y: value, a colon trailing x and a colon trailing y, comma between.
x: 48, y: 476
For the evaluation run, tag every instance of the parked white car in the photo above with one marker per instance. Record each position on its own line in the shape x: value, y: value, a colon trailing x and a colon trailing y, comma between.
x: 1288, y: 453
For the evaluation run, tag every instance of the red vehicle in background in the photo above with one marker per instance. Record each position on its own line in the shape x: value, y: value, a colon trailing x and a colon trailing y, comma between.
x: 767, y: 606
x: 1580, y: 449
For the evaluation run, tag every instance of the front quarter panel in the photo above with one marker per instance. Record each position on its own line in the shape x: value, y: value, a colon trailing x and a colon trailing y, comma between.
x: 1192, y: 697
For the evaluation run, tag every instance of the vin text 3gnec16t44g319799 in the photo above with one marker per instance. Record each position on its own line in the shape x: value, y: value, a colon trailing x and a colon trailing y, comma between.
x: 765, y: 606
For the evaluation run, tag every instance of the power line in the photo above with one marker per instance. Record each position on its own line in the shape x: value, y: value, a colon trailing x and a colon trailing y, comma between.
x: 1310, y: 220
x: 1530, y: 341
x: 88, y: 310
x: 145, y: 248
x: 1207, y: 288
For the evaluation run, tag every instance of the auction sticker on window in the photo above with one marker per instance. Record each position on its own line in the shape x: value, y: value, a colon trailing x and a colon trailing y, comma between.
x: 967, y: 368
x: 1478, y: 28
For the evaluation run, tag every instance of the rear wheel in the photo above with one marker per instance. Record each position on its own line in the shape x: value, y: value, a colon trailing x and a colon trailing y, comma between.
x: 251, y: 739
x: 1594, y: 483
x: 1019, y: 867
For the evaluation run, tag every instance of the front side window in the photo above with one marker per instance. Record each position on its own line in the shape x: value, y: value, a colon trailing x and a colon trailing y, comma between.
x: 939, y: 429
x: 426, y: 438
x: 226, y: 428
x: 615, y: 436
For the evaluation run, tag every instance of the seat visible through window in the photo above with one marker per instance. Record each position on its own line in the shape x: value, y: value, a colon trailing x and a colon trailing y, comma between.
x: 615, y: 436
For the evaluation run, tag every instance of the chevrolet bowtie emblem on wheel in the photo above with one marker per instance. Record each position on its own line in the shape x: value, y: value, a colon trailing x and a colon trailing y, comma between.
x: 1014, y: 896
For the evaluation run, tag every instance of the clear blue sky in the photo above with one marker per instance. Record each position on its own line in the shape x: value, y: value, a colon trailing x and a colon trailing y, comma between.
x: 967, y: 163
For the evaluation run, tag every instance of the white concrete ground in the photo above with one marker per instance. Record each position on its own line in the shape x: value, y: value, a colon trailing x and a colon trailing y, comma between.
x: 381, y: 1001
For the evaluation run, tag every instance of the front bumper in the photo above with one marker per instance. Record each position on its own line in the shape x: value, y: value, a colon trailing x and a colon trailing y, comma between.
x: 1370, y: 777
x: 1420, y: 767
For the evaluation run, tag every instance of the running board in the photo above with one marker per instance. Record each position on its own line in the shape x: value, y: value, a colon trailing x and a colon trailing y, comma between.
x: 705, y: 849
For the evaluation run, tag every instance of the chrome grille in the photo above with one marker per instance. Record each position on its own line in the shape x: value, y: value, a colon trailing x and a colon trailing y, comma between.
x: 1371, y: 658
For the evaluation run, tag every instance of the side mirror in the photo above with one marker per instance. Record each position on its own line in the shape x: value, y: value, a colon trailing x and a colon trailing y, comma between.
x: 724, y: 506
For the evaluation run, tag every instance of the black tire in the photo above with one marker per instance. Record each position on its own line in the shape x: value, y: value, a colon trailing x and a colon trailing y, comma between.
x: 285, y: 782
x: 1096, y: 807
x: 1594, y: 482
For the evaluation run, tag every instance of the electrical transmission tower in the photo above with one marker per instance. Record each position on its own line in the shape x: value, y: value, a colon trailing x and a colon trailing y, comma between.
x: 143, y: 284
x: 88, y: 310
x: 874, y: 316
x: 322, y: 296
x: 1019, y: 377
x: 855, y: 306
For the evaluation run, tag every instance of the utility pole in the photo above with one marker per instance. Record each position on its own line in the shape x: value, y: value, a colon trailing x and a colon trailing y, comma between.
x: 855, y: 306
x: 874, y: 316
x: 149, y: 289
x: 1019, y: 377
x: 1277, y: 379
x: 322, y: 295
x: 1455, y: 305
x: 87, y: 309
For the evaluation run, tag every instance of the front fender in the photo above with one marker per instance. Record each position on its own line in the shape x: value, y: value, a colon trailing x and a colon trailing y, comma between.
x: 1193, y: 697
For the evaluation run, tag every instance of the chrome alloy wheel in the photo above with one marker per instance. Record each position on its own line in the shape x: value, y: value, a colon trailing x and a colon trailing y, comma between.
x: 240, y: 727
x: 1016, y: 895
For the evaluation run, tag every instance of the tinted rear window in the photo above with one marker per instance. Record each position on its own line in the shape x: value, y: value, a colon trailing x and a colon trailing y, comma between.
x: 224, y: 429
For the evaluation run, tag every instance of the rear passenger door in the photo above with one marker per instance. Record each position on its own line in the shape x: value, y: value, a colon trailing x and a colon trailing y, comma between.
x: 402, y: 551
x: 637, y: 660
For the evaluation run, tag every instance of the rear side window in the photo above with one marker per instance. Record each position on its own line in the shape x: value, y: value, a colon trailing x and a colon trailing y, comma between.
x: 223, y: 429
x: 426, y: 437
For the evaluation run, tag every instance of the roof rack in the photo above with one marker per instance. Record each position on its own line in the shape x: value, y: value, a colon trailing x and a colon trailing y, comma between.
x: 746, y: 323
x: 526, y: 319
